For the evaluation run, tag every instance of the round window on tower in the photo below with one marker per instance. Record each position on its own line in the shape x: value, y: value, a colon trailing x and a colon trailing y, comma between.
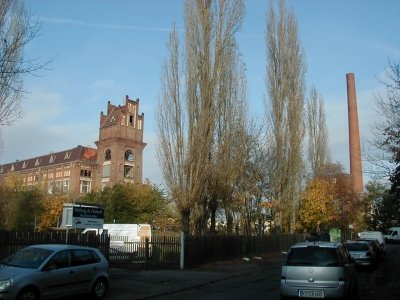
x: 129, y: 155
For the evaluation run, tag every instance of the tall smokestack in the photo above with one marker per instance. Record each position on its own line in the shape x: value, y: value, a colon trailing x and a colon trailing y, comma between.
x: 354, y: 136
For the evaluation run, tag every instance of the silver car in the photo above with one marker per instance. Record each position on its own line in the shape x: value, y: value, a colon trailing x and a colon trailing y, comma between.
x: 362, y: 252
x: 52, y: 271
x: 318, y: 270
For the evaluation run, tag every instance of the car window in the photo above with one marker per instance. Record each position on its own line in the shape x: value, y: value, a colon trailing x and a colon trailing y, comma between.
x: 357, y: 246
x: 60, y: 260
x: 345, y: 256
x: 312, y: 256
x: 31, y: 257
x: 84, y: 257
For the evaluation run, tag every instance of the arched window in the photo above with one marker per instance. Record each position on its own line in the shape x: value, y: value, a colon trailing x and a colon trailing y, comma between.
x: 129, y: 155
x: 107, y: 156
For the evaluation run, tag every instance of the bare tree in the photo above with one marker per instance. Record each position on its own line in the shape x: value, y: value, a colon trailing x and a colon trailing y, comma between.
x: 285, y: 84
x: 16, y: 31
x: 186, y: 117
x: 318, y: 153
x: 383, y: 150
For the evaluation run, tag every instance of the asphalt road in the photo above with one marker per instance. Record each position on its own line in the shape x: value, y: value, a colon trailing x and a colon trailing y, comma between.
x: 383, y: 282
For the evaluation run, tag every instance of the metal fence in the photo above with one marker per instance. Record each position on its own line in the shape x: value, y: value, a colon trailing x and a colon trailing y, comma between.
x: 12, y: 241
x: 159, y: 252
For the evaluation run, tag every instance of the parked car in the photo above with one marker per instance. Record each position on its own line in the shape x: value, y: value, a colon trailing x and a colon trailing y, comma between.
x: 372, y: 235
x: 52, y: 271
x: 318, y: 270
x: 363, y: 252
x: 392, y: 235
x: 378, y: 248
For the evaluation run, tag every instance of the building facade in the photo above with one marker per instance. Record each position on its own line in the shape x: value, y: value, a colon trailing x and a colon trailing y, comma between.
x: 117, y: 159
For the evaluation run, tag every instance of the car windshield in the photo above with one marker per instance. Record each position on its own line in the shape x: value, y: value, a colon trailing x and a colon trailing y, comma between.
x: 357, y: 246
x: 31, y: 258
x: 313, y: 256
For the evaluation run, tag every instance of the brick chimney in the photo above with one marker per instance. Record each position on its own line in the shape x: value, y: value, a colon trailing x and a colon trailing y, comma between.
x: 354, y: 136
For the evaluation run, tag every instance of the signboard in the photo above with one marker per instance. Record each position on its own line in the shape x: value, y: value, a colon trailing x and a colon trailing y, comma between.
x: 84, y: 216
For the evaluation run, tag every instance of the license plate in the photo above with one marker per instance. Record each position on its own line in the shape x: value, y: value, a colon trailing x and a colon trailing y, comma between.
x: 311, y: 294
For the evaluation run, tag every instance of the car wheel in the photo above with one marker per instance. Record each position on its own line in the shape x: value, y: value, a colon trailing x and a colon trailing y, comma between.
x: 28, y: 294
x: 99, y: 288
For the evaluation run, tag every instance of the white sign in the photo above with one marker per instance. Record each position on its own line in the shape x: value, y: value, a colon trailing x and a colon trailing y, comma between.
x: 87, y: 216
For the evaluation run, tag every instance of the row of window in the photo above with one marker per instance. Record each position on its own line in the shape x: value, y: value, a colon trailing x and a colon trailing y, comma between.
x: 38, y: 177
x: 129, y: 156
x: 37, y: 163
x: 58, y: 187
x: 129, y: 171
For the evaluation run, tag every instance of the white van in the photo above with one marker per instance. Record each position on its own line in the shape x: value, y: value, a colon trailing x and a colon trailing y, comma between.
x: 392, y: 235
x: 372, y: 235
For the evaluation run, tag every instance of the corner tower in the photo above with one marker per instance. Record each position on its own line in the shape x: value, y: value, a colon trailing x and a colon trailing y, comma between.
x: 120, y: 145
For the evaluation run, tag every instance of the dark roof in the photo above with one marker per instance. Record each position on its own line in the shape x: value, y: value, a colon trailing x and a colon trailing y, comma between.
x: 80, y: 153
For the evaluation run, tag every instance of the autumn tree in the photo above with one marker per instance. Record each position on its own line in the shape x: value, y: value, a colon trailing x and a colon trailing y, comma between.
x: 16, y: 32
x: 132, y: 203
x: 378, y: 208
x: 10, y: 187
x: 51, y: 211
x: 387, y: 138
x: 318, y: 152
x: 27, y: 209
x: 317, y: 209
x: 286, y: 86
x: 188, y: 105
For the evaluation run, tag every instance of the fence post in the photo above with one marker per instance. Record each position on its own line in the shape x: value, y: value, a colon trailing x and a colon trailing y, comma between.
x: 182, y: 256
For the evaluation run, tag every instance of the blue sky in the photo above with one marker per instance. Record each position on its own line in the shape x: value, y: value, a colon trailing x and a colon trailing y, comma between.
x: 104, y: 50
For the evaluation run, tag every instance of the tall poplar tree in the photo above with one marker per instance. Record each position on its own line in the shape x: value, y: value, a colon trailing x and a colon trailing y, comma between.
x: 318, y: 152
x: 189, y: 101
x: 286, y: 87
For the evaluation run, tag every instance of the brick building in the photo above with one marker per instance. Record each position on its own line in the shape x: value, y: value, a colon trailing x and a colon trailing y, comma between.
x: 118, y: 157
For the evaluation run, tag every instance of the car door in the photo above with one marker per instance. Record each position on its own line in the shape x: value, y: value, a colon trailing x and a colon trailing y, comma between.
x: 59, y: 277
x: 85, y: 263
x: 349, y: 269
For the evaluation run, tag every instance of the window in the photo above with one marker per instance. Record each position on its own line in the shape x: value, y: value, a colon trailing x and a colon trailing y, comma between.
x: 67, y: 173
x: 24, y: 165
x: 84, y: 257
x: 60, y: 260
x: 86, y: 173
x: 52, y: 159
x: 129, y: 171
x: 129, y: 155
x: 58, y: 187
x: 50, y: 188
x: 106, y: 171
x: 37, y: 163
x: 67, y: 155
x: 312, y: 256
x: 84, y: 186
x: 66, y: 186
x: 107, y: 155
